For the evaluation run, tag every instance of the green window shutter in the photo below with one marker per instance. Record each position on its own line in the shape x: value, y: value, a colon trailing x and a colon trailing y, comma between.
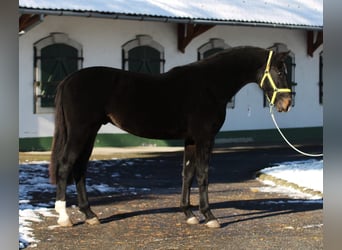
x: 289, y: 67
x: 57, y: 61
x: 144, y: 59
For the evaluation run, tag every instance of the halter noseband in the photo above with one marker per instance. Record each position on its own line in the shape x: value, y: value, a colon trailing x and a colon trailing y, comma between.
x: 268, y: 75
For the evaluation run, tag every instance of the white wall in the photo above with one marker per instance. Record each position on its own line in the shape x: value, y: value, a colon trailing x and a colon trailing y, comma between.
x: 102, y: 40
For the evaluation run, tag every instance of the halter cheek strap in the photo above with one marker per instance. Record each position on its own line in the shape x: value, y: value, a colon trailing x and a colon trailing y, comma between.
x: 267, y: 75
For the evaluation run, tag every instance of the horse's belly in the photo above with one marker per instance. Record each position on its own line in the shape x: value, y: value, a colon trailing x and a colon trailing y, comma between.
x: 153, y: 128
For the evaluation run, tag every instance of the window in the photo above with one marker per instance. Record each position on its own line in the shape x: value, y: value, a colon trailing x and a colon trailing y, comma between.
x: 213, y: 46
x: 320, y: 83
x: 210, y: 48
x: 144, y: 55
x: 290, y: 68
x: 55, y: 57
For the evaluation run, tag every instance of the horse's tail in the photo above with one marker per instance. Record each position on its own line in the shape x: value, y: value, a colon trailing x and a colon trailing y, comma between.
x: 60, y: 136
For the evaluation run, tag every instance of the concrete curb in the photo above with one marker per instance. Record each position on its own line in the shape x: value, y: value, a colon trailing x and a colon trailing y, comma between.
x: 265, y: 177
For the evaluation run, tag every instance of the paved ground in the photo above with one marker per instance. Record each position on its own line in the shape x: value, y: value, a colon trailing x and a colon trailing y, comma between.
x: 151, y: 219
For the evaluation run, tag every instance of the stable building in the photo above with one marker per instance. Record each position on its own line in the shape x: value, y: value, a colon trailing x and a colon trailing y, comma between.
x: 58, y: 38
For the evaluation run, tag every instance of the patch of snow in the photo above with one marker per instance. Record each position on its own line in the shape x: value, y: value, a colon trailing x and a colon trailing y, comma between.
x: 306, y: 174
x: 26, y: 217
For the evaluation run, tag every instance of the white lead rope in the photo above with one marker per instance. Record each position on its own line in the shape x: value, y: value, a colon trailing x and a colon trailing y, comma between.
x: 301, y: 152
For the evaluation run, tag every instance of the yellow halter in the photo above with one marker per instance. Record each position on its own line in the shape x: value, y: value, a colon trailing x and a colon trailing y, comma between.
x: 268, y: 75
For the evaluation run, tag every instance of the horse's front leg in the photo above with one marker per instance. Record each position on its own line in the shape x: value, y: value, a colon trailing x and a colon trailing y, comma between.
x: 188, y: 174
x: 203, y: 156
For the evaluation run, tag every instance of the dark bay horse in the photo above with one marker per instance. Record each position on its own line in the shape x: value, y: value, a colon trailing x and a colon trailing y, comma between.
x: 188, y: 102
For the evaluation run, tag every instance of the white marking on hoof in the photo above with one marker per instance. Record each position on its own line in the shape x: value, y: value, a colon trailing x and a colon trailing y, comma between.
x: 64, y: 222
x: 93, y: 221
x: 63, y: 218
x: 187, y: 163
x: 192, y: 221
x: 213, y: 224
x: 60, y: 205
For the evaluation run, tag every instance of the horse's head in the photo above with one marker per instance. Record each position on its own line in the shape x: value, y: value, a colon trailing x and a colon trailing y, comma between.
x: 274, y: 83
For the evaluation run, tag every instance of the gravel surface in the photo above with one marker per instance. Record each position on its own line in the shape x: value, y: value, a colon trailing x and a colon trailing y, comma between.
x: 149, y: 218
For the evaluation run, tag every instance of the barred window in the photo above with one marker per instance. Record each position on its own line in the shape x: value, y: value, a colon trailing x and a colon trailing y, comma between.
x: 55, y: 57
x: 144, y: 55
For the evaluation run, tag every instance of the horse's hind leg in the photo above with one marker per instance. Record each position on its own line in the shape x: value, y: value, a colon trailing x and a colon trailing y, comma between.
x: 63, y: 178
x: 79, y: 177
x: 60, y: 204
x: 67, y: 165
x: 188, y: 174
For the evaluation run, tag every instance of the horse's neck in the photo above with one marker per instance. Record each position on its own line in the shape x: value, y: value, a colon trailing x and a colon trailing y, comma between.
x: 233, y: 75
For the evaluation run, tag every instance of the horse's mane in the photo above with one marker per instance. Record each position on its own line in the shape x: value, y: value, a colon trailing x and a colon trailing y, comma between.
x: 212, y: 59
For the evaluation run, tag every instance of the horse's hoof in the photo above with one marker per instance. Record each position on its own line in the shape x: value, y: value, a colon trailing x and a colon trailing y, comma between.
x: 192, y: 221
x: 65, y: 223
x: 93, y: 221
x: 213, y: 224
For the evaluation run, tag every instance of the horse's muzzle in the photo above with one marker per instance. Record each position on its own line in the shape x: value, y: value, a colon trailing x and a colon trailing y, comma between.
x: 284, y: 104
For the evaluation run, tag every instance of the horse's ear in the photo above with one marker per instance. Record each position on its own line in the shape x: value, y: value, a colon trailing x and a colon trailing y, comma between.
x: 281, y: 56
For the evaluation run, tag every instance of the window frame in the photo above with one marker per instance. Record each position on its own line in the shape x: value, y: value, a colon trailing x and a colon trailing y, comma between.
x: 52, y: 39
x: 142, y: 40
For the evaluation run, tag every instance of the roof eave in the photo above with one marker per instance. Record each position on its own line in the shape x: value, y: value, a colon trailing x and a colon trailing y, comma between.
x: 139, y: 17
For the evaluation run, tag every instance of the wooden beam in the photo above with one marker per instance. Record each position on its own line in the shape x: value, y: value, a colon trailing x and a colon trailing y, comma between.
x: 313, y: 44
x: 187, y: 32
x: 27, y: 20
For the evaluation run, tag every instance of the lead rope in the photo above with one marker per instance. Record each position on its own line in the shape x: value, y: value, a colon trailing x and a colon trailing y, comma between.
x: 301, y: 152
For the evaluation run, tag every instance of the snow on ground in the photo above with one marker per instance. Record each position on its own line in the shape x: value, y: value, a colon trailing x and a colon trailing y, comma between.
x: 299, y: 179
x: 36, y: 194
x: 34, y: 182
